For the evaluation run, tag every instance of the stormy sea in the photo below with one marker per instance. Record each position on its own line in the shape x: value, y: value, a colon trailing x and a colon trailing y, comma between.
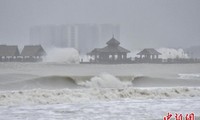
x: 59, y: 91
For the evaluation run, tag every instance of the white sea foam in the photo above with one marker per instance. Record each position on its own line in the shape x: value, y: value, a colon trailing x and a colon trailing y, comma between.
x: 172, y: 53
x: 40, y: 96
x: 189, y: 76
x: 62, y: 55
x: 106, y: 80
x: 129, y: 109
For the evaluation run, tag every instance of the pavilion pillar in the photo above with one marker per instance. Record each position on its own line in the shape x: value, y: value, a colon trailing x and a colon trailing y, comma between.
x: 99, y: 56
x: 113, y: 57
x: 140, y: 56
x: 107, y: 56
x: 95, y: 57
x: 120, y: 56
x: 153, y: 57
x: 145, y: 56
x: 102, y: 57
x: 125, y: 56
x: 156, y: 56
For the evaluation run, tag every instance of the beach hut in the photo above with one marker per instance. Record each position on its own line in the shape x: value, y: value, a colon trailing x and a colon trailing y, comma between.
x: 148, y: 55
x: 9, y: 53
x: 112, y: 53
x: 32, y: 53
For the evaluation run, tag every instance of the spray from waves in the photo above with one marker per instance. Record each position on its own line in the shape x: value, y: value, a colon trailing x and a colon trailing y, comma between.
x: 39, y: 96
x: 62, y: 55
x: 172, y: 53
x: 106, y: 80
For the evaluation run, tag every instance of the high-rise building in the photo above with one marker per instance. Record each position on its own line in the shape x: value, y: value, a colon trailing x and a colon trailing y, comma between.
x: 83, y: 37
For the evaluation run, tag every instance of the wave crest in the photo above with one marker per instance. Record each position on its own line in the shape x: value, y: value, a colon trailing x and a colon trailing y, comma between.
x: 106, y: 80
x: 48, y: 82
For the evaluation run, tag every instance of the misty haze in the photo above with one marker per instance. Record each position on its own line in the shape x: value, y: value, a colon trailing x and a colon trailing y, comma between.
x: 99, y: 59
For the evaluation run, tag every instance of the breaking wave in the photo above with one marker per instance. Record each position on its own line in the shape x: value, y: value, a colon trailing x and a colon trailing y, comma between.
x: 106, y: 80
x: 103, y: 80
x: 70, y: 89
x: 40, y: 96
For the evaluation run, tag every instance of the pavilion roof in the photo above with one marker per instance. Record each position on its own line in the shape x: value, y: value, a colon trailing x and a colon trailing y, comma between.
x: 7, y: 50
x: 112, y: 47
x: 149, y: 51
x: 33, y: 50
x: 109, y: 49
x: 113, y: 42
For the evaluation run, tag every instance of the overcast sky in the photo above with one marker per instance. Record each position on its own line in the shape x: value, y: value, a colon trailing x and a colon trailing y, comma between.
x: 144, y: 23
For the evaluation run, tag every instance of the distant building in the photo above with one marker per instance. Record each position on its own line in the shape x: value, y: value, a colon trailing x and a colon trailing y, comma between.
x: 83, y: 37
x: 112, y: 53
x: 148, y: 55
x: 32, y: 53
x: 9, y: 53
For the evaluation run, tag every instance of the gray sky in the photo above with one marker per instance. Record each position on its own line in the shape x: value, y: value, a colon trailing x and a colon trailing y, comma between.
x: 145, y: 23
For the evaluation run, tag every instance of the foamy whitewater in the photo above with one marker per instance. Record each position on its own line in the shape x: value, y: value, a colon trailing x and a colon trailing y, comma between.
x: 62, y: 55
x: 60, y: 91
x: 172, y: 53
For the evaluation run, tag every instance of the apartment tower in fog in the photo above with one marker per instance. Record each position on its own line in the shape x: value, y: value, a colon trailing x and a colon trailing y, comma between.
x: 83, y: 37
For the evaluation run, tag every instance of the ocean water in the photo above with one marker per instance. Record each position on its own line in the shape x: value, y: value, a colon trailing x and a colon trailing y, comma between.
x: 150, y: 109
x: 55, y: 91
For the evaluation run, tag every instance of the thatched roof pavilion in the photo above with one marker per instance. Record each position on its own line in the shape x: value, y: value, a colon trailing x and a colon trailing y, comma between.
x: 149, y: 51
x: 8, y: 52
x: 11, y: 51
x: 32, y: 53
x: 149, y: 55
x: 112, y: 53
